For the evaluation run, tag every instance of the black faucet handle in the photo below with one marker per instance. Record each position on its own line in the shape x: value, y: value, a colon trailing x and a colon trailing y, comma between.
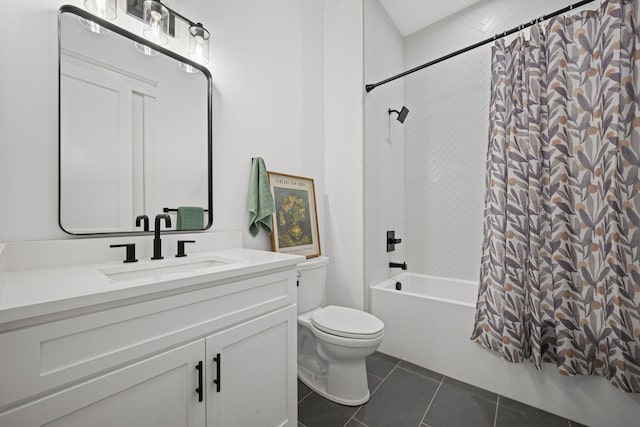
x: 181, y: 243
x: 144, y: 219
x: 131, y: 251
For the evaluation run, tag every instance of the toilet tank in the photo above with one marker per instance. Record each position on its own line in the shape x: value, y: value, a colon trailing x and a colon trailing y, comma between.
x: 312, y: 278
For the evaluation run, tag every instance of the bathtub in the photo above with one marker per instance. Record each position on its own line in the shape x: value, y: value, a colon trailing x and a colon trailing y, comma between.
x: 429, y: 321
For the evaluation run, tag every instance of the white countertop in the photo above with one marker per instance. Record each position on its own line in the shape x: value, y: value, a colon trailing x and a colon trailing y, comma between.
x: 26, y: 294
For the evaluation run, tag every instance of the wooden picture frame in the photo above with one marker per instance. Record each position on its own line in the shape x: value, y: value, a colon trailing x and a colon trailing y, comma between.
x: 295, y: 220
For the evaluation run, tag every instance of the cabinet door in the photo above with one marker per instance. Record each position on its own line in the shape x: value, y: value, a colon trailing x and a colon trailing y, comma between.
x: 158, y: 391
x: 254, y: 364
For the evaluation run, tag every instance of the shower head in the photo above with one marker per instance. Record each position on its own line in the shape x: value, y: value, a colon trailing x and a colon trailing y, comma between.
x: 402, y: 114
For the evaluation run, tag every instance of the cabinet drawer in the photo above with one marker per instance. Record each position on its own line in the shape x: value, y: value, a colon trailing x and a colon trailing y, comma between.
x: 42, y: 357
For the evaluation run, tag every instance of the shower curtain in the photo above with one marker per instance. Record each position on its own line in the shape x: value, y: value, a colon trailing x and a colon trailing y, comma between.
x: 560, y: 268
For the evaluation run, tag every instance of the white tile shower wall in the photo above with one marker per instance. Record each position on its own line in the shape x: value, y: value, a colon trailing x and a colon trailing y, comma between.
x: 446, y: 140
x: 384, y: 161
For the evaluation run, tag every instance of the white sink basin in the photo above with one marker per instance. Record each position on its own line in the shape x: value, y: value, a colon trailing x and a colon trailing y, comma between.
x: 155, y: 269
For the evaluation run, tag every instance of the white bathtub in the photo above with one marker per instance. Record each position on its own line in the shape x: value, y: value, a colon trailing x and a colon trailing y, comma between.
x: 429, y: 321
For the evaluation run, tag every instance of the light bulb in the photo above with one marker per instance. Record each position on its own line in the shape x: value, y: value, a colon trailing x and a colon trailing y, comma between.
x: 101, y: 6
x: 197, y: 55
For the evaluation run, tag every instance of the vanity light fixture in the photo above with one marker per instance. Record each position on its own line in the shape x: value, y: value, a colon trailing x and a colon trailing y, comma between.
x: 105, y: 9
x: 156, y: 17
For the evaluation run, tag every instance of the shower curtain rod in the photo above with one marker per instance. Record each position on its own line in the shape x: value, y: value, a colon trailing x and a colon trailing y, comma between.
x: 372, y: 86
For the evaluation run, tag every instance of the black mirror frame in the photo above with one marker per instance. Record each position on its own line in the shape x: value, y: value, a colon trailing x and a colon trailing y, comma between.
x: 135, y: 38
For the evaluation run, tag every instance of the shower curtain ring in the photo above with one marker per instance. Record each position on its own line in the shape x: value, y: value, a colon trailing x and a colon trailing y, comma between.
x: 567, y: 15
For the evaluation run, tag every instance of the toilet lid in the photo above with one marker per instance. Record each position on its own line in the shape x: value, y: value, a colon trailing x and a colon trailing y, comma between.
x: 347, y: 322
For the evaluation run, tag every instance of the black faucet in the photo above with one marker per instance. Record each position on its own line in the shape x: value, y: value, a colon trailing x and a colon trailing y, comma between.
x: 398, y: 265
x: 145, y: 220
x: 157, y: 244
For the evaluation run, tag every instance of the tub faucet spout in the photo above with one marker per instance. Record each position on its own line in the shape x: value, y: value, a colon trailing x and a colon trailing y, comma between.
x: 398, y: 265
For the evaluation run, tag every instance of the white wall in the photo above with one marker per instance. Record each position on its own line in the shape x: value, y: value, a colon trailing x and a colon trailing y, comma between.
x: 267, y: 65
x: 384, y: 162
x: 268, y: 72
x: 343, y: 151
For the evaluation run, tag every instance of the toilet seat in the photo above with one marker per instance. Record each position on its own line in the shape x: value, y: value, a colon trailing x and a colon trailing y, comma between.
x: 347, y: 323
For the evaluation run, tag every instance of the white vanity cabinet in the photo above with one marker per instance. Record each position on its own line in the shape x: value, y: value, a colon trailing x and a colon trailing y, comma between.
x: 158, y: 391
x: 254, y: 369
x: 152, y: 361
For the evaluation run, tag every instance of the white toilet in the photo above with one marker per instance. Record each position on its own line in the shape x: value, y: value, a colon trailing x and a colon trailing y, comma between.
x: 333, y: 341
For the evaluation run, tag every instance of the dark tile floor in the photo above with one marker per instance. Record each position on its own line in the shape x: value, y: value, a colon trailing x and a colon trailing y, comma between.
x: 403, y: 394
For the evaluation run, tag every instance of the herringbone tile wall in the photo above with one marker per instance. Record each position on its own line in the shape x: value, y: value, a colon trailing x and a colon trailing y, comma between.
x: 446, y: 138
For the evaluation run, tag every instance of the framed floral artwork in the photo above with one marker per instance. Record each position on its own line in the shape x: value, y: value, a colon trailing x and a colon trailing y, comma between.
x: 295, y: 220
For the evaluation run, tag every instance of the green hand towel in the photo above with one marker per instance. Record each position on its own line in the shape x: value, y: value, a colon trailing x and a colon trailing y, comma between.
x: 190, y: 218
x: 260, y: 202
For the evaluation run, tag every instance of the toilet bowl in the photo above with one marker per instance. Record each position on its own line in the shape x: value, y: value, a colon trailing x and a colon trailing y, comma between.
x: 333, y: 341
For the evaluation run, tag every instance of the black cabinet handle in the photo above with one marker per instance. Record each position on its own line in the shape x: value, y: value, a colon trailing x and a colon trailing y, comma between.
x: 199, y: 389
x: 218, y: 361
x: 131, y: 251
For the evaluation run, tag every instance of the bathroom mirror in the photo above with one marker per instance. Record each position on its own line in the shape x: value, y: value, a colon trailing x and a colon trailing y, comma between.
x: 135, y: 132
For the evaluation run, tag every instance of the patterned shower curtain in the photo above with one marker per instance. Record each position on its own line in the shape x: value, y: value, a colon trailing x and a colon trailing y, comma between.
x: 560, y: 270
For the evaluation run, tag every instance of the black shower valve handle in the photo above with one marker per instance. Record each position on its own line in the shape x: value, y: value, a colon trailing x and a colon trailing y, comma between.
x: 392, y: 241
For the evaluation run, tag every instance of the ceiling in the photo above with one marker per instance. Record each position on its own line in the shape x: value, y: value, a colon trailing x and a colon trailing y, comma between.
x: 412, y: 15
